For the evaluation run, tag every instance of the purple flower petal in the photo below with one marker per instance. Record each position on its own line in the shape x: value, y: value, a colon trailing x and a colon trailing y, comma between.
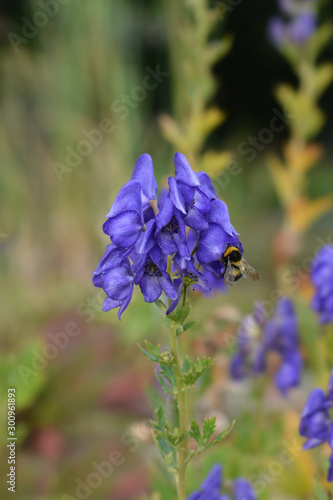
x: 184, y: 172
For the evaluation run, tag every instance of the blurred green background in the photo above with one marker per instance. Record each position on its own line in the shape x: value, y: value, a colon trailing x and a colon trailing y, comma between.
x: 79, y: 377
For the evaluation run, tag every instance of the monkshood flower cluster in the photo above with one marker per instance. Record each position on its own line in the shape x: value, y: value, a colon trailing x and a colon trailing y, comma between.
x: 322, y: 279
x: 210, y: 489
x: 298, y: 23
x: 257, y: 336
x: 187, y: 222
x: 316, y: 423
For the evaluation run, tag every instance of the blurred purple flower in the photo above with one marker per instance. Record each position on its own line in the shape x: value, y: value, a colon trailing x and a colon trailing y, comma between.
x: 211, y: 487
x: 322, y: 279
x: 316, y: 424
x: 297, y: 26
x: 280, y: 334
x: 302, y: 27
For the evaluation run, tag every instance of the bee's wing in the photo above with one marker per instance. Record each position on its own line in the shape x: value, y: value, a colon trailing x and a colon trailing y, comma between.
x: 228, y: 276
x: 249, y: 272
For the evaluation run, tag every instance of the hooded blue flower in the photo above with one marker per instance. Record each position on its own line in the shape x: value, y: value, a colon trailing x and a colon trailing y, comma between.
x: 186, y: 224
x: 152, y: 277
x: 316, y: 424
x: 144, y: 173
x: 114, y: 274
x: 197, y: 203
x: 322, y: 279
x: 280, y: 334
x: 212, y: 244
x: 171, y: 233
x: 211, y: 487
x: 125, y: 219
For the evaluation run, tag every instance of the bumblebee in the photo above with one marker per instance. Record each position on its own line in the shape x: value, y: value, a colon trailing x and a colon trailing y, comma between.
x: 236, y: 267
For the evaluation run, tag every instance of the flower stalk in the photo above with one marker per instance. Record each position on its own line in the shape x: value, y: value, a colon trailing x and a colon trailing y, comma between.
x: 181, y: 399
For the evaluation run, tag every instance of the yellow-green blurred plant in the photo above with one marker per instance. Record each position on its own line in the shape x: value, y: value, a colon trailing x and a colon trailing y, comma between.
x: 193, y: 54
x: 305, y: 120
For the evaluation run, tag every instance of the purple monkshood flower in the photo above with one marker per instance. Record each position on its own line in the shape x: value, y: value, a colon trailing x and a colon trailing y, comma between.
x: 210, y: 488
x: 280, y: 334
x: 152, y: 277
x: 185, y: 229
x: 322, y: 279
x: 316, y: 424
x: 298, y: 26
x: 114, y: 274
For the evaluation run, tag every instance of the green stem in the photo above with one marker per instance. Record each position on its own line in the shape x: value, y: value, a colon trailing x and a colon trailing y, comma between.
x: 182, y: 412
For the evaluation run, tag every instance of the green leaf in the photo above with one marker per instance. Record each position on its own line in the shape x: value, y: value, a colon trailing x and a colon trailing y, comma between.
x: 195, y: 432
x: 220, y: 437
x: 189, y: 325
x: 209, y: 427
x: 154, y: 354
x: 160, y: 304
x: 203, y: 440
x: 195, y: 371
x: 162, y: 438
x: 167, y: 451
x: 186, y: 364
x: 150, y: 356
x: 167, y: 373
x: 166, y: 388
x: 184, y: 312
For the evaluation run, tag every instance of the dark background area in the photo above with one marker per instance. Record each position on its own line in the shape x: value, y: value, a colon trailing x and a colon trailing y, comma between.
x: 247, y: 75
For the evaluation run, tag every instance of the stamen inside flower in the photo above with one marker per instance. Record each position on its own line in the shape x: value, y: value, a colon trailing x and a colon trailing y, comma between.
x: 172, y: 227
x: 151, y: 269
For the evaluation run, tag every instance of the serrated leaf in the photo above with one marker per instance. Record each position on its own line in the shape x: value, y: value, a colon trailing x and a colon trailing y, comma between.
x: 209, y: 427
x: 220, y: 437
x: 195, y: 432
x: 186, y: 364
x: 167, y: 451
x: 195, y: 371
x: 149, y: 355
x: 166, y: 388
x: 167, y: 373
x: 161, y: 420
